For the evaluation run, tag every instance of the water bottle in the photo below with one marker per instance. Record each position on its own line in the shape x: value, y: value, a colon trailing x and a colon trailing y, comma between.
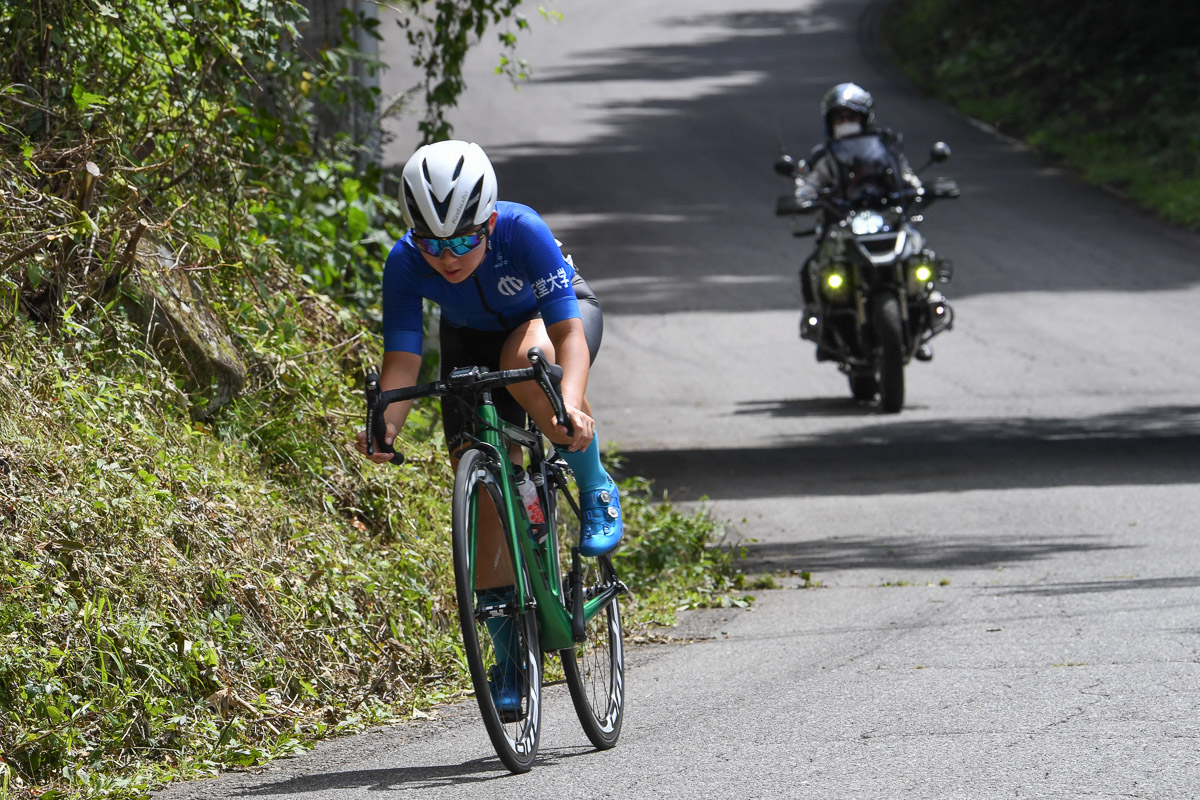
x: 529, y: 498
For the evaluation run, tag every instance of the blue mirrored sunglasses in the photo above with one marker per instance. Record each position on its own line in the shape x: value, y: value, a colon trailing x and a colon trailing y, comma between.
x: 457, y: 245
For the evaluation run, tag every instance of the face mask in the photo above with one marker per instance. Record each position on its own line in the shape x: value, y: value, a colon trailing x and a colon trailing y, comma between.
x: 844, y: 129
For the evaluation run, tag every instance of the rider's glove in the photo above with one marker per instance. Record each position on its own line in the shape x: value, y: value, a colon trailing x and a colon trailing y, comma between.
x: 806, y: 194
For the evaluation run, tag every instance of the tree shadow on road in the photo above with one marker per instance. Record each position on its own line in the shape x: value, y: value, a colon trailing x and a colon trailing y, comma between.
x: 814, y: 407
x: 1155, y: 445
x: 907, y: 553
x: 1115, y: 585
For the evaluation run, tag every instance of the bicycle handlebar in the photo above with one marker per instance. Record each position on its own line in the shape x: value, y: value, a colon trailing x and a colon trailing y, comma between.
x: 463, y: 381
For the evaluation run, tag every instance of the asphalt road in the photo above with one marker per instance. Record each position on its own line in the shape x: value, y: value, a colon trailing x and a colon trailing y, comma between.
x: 1009, y: 570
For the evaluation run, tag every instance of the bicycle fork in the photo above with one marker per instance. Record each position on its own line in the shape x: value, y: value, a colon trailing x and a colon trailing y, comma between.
x: 583, y: 609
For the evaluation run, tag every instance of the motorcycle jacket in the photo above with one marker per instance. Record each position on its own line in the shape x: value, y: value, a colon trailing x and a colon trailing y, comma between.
x: 523, y: 274
x: 838, y: 164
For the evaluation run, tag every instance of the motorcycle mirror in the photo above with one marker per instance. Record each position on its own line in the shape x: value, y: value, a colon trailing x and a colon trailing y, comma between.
x: 787, y: 166
x: 939, y: 152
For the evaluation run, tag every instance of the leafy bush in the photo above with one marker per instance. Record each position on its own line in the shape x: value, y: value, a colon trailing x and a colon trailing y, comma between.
x: 1111, y: 88
x: 674, y: 560
x: 191, y: 123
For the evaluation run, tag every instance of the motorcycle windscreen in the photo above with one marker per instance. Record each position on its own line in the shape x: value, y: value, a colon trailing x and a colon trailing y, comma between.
x: 867, y: 169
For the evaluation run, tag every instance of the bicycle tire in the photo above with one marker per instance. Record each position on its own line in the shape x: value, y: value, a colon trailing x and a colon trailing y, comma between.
x: 595, y: 668
x: 515, y: 740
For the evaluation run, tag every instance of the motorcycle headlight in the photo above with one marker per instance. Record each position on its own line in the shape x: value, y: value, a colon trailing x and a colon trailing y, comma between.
x: 865, y: 222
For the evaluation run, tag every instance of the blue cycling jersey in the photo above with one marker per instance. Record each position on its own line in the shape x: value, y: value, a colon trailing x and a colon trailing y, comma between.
x: 523, y: 275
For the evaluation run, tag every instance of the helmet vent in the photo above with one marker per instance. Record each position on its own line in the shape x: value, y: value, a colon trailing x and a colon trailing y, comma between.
x: 414, y: 211
x: 442, y: 206
x: 458, y: 168
x: 472, y: 207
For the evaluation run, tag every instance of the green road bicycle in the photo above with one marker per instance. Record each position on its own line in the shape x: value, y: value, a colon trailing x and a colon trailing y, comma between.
x: 575, y: 615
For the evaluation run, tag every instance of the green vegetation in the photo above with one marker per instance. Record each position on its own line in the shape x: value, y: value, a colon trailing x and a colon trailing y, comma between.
x: 809, y: 582
x: 763, y: 582
x: 1110, y: 88
x: 196, y: 570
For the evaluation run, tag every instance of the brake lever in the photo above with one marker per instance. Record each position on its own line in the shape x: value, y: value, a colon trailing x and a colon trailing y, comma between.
x: 549, y: 378
x: 376, y: 425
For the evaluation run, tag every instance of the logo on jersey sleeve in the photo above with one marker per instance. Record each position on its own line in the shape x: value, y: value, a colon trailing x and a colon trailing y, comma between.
x: 546, y: 285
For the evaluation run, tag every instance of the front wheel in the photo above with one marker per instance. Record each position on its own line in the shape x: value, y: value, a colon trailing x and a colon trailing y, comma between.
x: 889, y: 339
x: 595, y: 667
x: 513, y: 718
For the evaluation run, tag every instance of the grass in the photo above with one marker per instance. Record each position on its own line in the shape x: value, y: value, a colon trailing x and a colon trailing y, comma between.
x: 178, y: 597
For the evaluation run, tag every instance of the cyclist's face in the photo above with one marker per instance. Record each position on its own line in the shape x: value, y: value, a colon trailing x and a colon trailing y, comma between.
x: 457, y: 269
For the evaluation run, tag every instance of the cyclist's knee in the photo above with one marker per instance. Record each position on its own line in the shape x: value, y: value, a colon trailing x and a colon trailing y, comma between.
x: 514, y: 354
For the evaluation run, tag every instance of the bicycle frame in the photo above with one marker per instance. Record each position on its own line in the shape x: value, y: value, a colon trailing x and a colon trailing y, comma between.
x: 559, y: 627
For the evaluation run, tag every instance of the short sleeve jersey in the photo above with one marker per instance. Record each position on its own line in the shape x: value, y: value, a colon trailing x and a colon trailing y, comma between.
x: 523, y: 275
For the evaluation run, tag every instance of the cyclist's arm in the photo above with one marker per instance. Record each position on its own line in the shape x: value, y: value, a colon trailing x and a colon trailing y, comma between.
x: 400, y: 370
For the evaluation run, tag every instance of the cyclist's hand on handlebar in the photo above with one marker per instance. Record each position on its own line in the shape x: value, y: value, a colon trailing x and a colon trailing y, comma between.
x: 379, y: 458
x: 585, y: 428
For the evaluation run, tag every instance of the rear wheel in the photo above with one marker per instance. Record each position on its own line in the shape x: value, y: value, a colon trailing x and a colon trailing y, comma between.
x: 889, y: 336
x: 515, y: 732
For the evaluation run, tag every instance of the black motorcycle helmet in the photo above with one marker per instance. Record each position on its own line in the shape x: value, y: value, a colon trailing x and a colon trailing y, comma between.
x: 848, y: 97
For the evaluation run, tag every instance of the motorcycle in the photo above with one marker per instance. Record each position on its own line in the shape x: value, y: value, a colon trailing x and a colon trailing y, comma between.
x: 872, y: 278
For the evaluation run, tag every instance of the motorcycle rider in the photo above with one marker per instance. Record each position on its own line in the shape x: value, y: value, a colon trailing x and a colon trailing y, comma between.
x: 847, y: 110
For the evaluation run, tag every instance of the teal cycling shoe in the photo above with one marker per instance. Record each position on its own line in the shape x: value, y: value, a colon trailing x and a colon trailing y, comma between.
x: 507, y: 683
x: 603, y: 526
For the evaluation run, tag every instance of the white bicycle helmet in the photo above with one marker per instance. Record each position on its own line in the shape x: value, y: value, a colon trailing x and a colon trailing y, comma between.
x: 447, y: 188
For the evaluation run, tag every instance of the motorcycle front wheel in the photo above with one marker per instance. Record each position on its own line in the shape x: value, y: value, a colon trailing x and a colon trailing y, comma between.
x: 889, y: 339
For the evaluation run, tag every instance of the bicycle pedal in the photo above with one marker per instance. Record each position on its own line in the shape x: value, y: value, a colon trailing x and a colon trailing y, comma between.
x: 492, y: 612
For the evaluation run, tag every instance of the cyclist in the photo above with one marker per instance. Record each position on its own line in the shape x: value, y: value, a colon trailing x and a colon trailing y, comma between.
x: 503, y: 286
